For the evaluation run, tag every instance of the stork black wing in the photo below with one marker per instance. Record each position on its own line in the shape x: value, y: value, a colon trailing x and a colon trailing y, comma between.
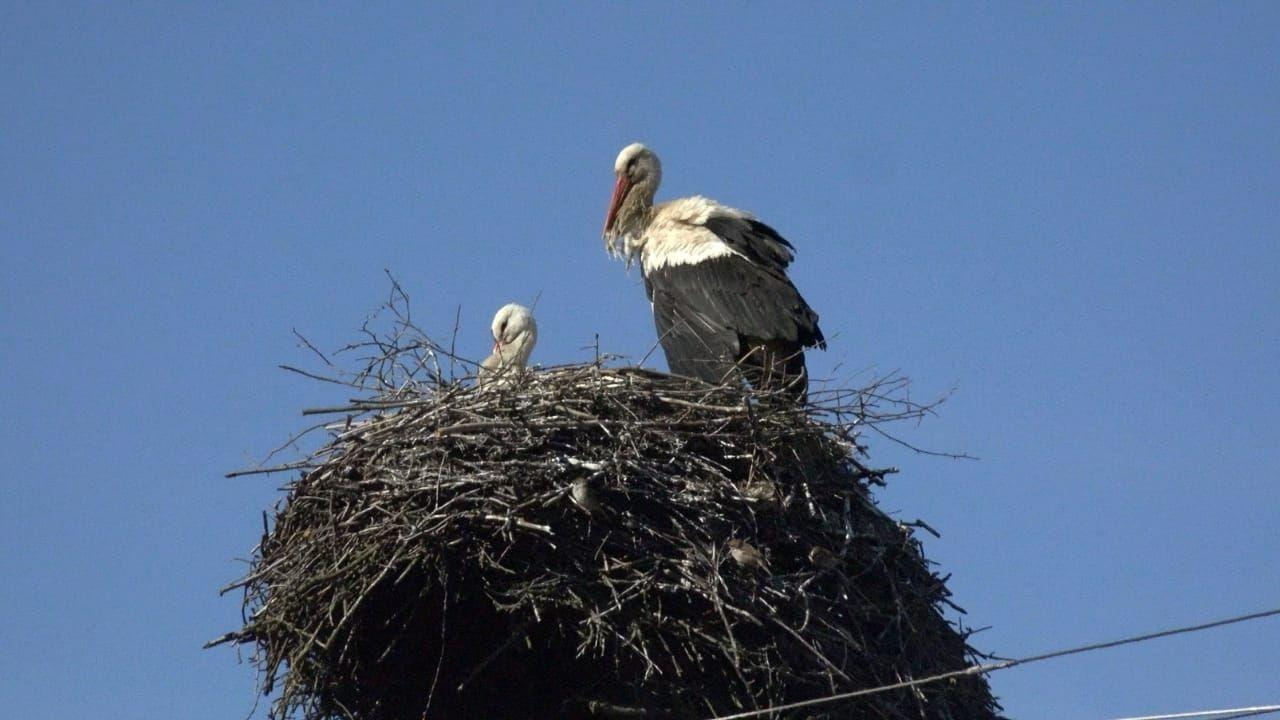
x: 752, y: 239
x: 695, y: 345
x: 709, y: 313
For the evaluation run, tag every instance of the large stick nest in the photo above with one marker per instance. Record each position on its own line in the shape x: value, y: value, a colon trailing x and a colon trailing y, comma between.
x: 431, y: 560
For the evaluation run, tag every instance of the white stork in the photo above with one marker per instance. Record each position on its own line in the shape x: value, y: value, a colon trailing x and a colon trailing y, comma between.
x: 717, y: 280
x: 514, y: 334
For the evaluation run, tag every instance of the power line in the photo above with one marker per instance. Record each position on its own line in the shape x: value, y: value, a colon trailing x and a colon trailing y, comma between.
x: 1249, y: 714
x: 983, y: 669
x: 1204, y: 714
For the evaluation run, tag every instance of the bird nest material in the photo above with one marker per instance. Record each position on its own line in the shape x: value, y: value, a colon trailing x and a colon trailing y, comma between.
x: 571, y: 546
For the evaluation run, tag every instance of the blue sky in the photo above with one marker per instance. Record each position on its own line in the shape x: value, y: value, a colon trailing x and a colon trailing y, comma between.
x: 1068, y: 214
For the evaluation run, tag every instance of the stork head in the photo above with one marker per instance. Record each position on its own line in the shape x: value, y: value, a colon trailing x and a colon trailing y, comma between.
x: 638, y: 173
x: 514, y: 334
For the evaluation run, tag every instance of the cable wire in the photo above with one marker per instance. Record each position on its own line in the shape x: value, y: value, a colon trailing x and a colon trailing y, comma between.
x: 1200, y: 715
x: 1248, y: 714
x: 983, y: 669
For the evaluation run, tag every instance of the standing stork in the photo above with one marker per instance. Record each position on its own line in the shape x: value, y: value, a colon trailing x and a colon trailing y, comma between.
x: 716, y: 278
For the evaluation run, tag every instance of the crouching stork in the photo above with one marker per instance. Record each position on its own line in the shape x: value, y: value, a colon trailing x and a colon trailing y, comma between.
x: 515, y: 332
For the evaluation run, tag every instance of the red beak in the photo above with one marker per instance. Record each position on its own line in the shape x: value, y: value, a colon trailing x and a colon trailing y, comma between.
x: 619, y: 192
x: 496, y: 344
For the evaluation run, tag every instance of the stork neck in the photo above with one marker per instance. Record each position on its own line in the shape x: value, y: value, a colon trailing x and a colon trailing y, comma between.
x: 636, y: 210
x: 634, y: 217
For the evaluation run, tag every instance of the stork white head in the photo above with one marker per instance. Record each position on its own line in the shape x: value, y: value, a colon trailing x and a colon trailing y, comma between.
x: 631, y: 154
x: 638, y: 172
x: 514, y: 334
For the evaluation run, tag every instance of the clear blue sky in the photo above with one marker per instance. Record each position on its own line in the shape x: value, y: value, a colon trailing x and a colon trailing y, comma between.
x: 1071, y: 215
